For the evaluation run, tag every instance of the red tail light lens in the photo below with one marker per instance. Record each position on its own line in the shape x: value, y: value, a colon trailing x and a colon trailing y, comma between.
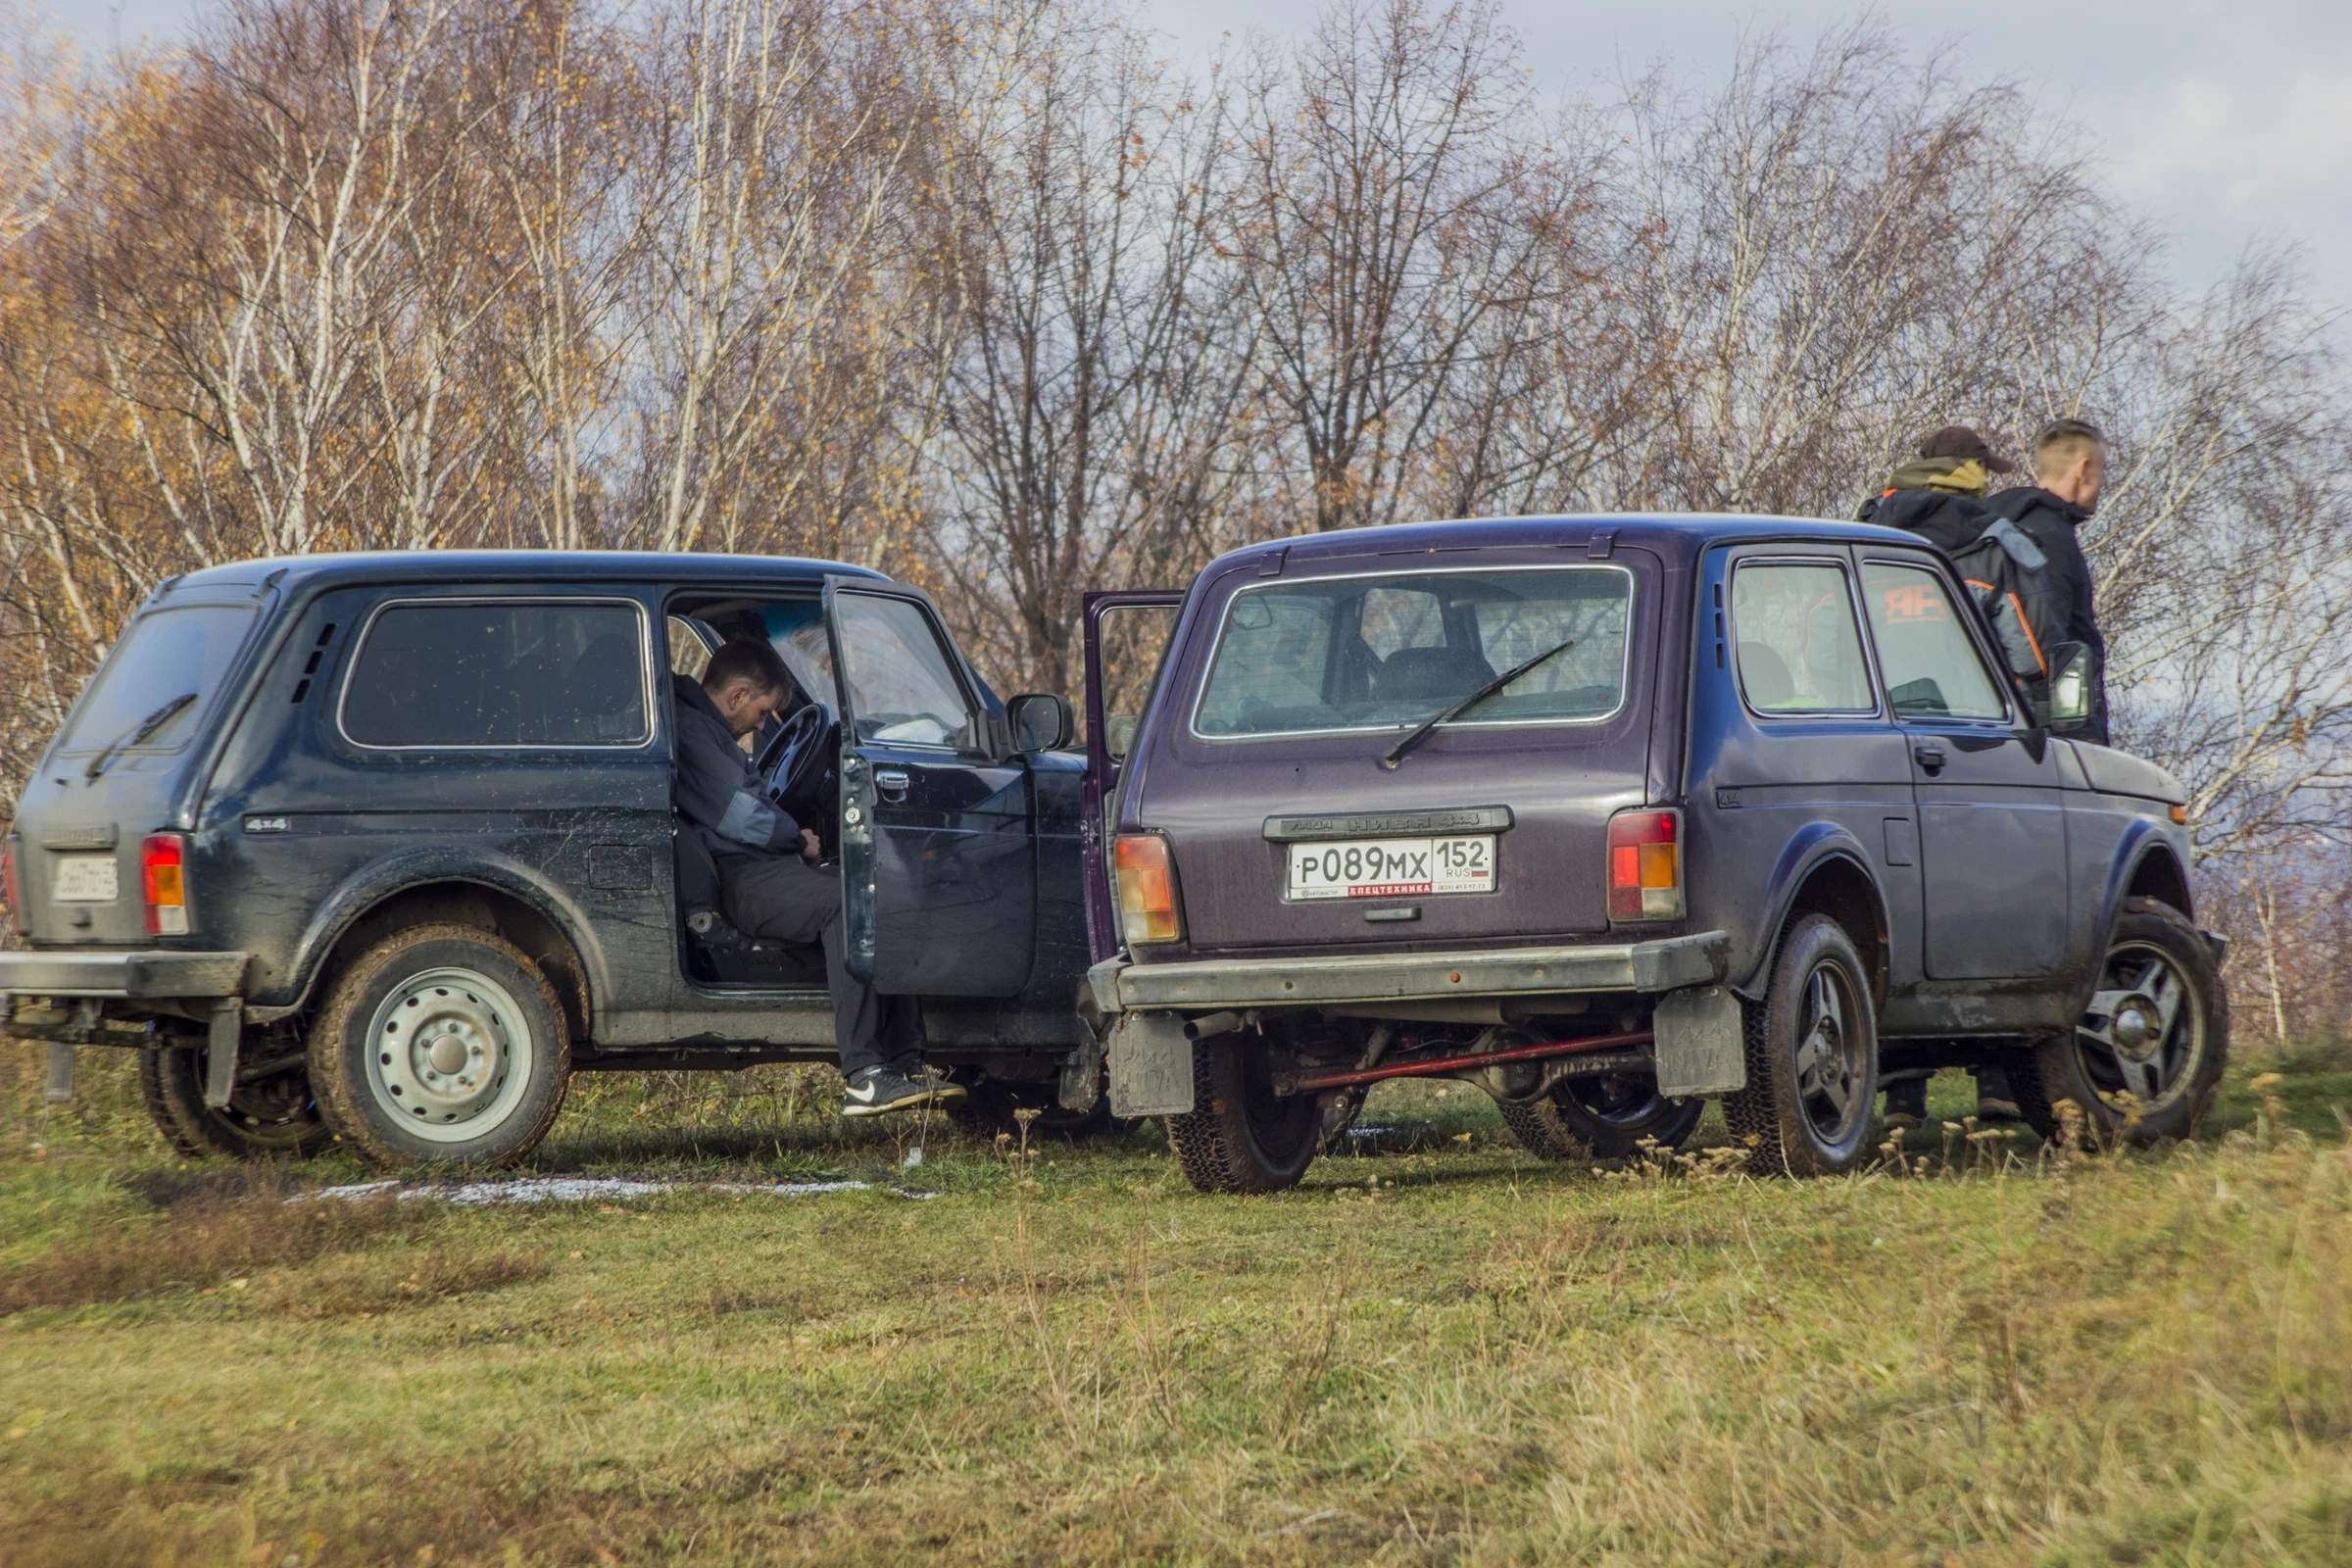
x: 1645, y: 866
x: 1147, y: 884
x: 15, y: 890
x: 164, y: 883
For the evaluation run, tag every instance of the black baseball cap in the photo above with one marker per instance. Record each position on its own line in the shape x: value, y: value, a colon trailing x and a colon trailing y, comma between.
x: 1959, y: 441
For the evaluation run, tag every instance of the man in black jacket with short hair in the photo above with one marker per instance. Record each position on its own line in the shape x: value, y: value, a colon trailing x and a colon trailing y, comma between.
x: 2070, y: 469
x: 770, y: 884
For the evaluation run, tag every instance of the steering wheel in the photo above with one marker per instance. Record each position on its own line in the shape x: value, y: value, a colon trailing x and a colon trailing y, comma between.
x: 794, y: 760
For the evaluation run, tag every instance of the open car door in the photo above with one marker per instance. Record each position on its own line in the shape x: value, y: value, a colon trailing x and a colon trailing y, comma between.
x: 1127, y: 634
x: 938, y: 850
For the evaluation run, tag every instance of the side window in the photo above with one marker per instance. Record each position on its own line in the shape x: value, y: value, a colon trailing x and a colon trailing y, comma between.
x: 901, y: 685
x: 1271, y: 660
x: 1134, y: 640
x: 1931, y: 664
x: 689, y: 655
x: 499, y: 674
x: 1799, y: 651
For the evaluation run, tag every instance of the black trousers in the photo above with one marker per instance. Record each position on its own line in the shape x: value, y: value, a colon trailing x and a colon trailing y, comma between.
x: 784, y: 898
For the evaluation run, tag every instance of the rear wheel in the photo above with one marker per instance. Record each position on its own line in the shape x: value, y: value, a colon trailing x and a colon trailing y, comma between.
x: 268, y: 1117
x: 2143, y: 1060
x: 1238, y: 1137
x: 441, y: 1045
x: 1602, y: 1117
x: 1812, y: 1059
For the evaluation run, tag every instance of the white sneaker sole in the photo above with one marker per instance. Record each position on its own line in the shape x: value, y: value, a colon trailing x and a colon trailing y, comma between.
x: 943, y: 1095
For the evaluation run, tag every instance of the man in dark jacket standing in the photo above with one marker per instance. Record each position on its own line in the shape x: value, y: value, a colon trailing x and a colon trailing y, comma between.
x: 1940, y: 493
x: 770, y: 884
x: 2070, y: 468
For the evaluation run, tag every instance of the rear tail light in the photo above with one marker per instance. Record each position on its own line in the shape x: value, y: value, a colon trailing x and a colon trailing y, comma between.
x: 1146, y: 883
x: 14, y: 891
x: 1645, y: 866
x: 164, y: 883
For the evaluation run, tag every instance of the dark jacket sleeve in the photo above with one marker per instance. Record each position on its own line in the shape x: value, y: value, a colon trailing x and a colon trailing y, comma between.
x: 717, y: 792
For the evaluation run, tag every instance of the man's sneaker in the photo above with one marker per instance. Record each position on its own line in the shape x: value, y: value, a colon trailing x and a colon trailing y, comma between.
x: 876, y: 1091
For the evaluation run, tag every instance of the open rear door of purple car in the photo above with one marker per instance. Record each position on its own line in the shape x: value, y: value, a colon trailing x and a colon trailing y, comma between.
x: 1126, y: 638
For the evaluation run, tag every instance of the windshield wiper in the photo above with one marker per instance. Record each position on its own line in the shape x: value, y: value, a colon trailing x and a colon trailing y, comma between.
x: 1449, y: 715
x: 146, y: 727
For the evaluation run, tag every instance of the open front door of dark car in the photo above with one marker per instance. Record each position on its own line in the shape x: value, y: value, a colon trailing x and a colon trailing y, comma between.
x: 1126, y: 639
x: 938, y: 846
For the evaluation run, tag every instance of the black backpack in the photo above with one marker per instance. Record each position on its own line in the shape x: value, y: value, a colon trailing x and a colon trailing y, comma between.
x: 1997, y: 566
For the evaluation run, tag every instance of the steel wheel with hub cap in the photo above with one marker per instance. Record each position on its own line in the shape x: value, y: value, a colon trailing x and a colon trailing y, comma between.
x: 1812, y: 1059
x: 2143, y: 1059
x: 443, y: 1043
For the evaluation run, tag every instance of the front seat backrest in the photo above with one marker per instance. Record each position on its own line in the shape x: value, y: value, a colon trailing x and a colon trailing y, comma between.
x: 1432, y: 674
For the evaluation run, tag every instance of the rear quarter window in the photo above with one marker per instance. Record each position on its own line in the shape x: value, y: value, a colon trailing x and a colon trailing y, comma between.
x: 499, y: 673
x: 171, y: 655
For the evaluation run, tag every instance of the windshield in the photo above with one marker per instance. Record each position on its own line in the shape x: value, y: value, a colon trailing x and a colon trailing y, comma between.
x: 1387, y: 651
x: 164, y: 654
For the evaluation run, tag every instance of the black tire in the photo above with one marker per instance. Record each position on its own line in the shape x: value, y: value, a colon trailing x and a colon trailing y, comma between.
x: 274, y: 1118
x: 1603, y: 1117
x: 2172, y: 1078
x: 481, y: 1091
x: 1239, y: 1138
x: 1812, y: 1059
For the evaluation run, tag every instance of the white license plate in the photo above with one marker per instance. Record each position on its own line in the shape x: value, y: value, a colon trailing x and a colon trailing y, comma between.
x: 82, y: 879
x: 1389, y: 868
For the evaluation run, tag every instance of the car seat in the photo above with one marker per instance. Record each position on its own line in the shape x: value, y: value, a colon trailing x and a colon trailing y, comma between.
x: 1432, y: 674
x: 1765, y: 676
x: 718, y: 953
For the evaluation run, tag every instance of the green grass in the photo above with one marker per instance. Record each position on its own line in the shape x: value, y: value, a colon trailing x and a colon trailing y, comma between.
x: 1439, y: 1350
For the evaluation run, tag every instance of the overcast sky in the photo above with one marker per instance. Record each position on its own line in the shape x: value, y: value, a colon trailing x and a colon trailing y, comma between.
x: 2227, y: 123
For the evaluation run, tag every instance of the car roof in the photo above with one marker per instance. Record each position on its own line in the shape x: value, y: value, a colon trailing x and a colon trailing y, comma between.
x: 333, y: 570
x: 1678, y: 536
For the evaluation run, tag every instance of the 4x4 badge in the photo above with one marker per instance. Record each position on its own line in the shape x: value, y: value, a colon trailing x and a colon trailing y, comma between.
x: 265, y: 824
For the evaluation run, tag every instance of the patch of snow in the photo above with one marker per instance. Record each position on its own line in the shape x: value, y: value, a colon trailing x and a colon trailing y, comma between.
x: 584, y: 1189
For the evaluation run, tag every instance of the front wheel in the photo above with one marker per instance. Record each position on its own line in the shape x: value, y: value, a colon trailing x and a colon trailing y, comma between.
x: 268, y: 1116
x: 2142, y: 1062
x: 1237, y: 1137
x: 441, y: 1045
x: 1607, y: 1116
x: 1812, y: 1059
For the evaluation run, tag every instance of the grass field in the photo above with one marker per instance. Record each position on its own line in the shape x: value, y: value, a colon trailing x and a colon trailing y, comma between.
x: 1438, y: 1350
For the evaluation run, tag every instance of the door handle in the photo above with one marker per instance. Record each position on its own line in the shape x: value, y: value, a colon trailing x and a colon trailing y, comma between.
x: 1930, y: 754
x: 892, y: 782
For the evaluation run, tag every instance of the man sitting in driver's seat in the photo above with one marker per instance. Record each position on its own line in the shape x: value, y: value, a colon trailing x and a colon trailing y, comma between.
x: 770, y: 879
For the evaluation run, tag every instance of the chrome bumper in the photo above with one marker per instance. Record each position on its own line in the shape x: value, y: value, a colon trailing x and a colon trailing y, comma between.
x: 1669, y: 964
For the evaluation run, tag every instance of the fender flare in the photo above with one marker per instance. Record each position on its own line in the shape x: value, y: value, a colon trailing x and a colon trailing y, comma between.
x: 369, y: 887
x: 2143, y: 841
x: 1809, y: 849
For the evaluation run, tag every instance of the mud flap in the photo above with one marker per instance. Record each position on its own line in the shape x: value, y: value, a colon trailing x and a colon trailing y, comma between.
x: 1151, y: 1065
x: 1698, y: 1044
x: 225, y: 1030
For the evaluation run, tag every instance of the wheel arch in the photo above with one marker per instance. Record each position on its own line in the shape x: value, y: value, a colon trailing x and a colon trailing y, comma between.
x: 2146, y: 866
x: 503, y: 897
x: 1823, y: 871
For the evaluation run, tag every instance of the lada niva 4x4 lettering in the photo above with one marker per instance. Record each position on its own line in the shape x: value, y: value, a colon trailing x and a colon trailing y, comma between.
x: 1607, y: 814
x: 382, y: 846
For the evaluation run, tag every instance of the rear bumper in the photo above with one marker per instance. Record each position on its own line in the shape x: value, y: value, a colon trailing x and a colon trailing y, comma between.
x: 161, y: 976
x: 1669, y: 964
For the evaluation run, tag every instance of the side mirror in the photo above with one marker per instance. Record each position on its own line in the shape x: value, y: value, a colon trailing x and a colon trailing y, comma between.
x: 1040, y: 722
x: 2068, y: 703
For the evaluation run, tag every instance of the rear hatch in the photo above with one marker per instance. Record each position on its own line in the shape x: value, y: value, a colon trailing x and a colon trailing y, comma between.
x: 117, y: 770
x: 1268, y: 769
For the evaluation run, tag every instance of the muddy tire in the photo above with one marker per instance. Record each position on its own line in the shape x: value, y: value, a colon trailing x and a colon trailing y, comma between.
x: 2157, y: 1030
x: 1812, y: 1059
x: 1603, y: 1117
x: 1239, y: 1138
x: 441, y: 1045
x: 274, y: 1118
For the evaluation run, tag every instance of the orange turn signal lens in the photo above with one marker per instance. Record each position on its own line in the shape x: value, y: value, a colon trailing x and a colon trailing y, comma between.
x: 1146, y: 878
x: 2180, y: 816
x: 1645, y: 866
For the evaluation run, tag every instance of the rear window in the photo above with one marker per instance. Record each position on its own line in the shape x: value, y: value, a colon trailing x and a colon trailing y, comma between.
x: 1388, y: 650
x: 162, y: 677
x: 500, y: 674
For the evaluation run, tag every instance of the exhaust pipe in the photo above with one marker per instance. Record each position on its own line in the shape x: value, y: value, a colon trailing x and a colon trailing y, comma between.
x: 1211, y: 1024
